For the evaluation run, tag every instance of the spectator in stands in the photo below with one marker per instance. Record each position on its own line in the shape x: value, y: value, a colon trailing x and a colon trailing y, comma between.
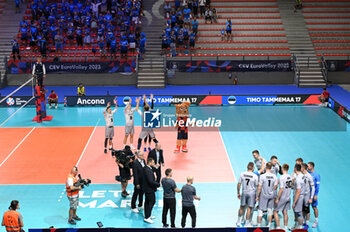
x: 42, y: 46
x: 229, y: 30
x: 81, y: 90
x: 124, y: 47
x: 173, y: 44
x: 324, y: 97
x: 113, y: 46
x: 202, y: 7
x: 177, y: 4
x: 79, y: 37
x: 24, y: 34
x: 214, y: 15
x: 298, y: 5
x: 195, y: 26
x: 17, y: 6
x: 208, y: 16
x: 192, y: 41
x: 15, y: 49
x: 187, y: 15
x: 180, y: 41
x: 164, y: 44
x: 59, y: 42
x: 184, y: 4
x: 87, y: 38
x: 101, y: 46
x: 132, y: 42
x: 207, y: 3
x: 222, y: 34
x: 143, y: 41
x: 167, y: 9
x: 53, y: 99
x: 195, y: 8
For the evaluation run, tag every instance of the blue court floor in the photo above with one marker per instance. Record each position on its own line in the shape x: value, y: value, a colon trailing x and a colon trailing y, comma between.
x: 314, y: 133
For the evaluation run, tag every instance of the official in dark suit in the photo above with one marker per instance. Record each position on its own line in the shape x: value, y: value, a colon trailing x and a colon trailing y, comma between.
x: 149, y: 186
x: 137, y: 170
x: 157, y: 155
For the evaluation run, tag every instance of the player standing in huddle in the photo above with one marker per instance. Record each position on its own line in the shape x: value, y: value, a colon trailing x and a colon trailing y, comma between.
x: 259, y: 161
x: 108, y: 114
x: 317, y: 180
x: 298, y: 197
x: 282, y: 201
x: 276, y: 166
x: 297, y: 161
x: 266, y: 194
x: 249, y: 181
x: 146, y: 131
x: 308, y: 194
x: 129, y: 121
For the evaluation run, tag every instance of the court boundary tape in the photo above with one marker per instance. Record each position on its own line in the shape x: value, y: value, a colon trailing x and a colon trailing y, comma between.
x: 86, y: 145
x: 229, y: 161
x: 19, y: 144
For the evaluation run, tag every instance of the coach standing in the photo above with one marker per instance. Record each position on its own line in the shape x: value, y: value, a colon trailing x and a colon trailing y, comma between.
x: 149, y: 186
x: 137, y: 171
x: 169, y: 200
x: 157, y: 155
x: 188, y: 193
x: 39, y: 72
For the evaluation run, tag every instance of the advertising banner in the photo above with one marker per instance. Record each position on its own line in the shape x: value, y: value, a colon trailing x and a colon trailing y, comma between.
x: 339, y: 109
x: 198, y: 100
x: 17, y: 101
x: 230, y: 66
x: 74, y: 67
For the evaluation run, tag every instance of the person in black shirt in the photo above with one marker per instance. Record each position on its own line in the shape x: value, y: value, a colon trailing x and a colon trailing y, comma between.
x: 39, y: 72
x: 137, y: 170
x: 15, y: 50
x: 149, y: 186
x: 157, y: 155
x: 169, y: 200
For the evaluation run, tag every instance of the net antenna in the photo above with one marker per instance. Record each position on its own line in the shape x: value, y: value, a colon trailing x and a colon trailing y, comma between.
x: 13, y: 92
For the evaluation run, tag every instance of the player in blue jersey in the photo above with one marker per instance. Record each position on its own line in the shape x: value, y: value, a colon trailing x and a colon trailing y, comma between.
x: 317, y: 181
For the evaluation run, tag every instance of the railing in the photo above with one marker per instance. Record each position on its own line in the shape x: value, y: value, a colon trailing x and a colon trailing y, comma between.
x: 324, y: 69
x: 218, y: 57
x: 296, y: 69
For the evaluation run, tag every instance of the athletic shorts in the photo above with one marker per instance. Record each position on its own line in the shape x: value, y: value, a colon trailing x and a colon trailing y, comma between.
x: 299, y: 205
x: 282, y: 205
x: 306, y: 199
x: 73, y: 201
x: 182, y: 135
x: 266, y: 203
x: 248, y: 200
x: 129, y: 130
x: 109, y: 132
x: 147, y: 132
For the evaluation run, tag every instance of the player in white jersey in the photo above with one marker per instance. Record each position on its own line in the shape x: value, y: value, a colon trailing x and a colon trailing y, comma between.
x: 266, y: 194
x: 109, y: 134
x: 298, y: 197
x: 259, y: 161
x: 276, y: 166
x: 129, y: 121
x: 249, y: 181
x: 309, y: 192
x: 297, y: 161
x: 282, y: 201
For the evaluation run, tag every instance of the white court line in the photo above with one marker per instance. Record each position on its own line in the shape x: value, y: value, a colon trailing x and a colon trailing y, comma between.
x: 17, y: 146
x: 233, y: 172
x: 82, y: 154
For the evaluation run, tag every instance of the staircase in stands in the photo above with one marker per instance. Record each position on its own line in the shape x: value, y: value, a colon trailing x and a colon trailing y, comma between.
x: 301, y: 46
x: 9, y: 24
x: 151, y: 68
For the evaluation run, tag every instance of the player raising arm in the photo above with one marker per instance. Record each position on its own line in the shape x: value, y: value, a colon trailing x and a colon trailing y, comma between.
x: 109, y: 134
x: 129, y: 121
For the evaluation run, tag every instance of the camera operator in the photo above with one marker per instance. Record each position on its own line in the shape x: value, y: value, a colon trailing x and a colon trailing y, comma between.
x: 73, y: 195
x: 13, y: 220
x: 124, y: 158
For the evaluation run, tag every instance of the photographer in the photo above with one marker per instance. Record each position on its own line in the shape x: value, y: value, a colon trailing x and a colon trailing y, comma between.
x: 73, y: 195
x: 13, y: 220
x: 124, y: 158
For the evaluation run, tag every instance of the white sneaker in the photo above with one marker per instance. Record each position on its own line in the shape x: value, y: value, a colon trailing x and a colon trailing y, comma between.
x: 153, y: 217
x: 248, y: 225
x: 135, y: 210
x: 132, y: 147
x: 55, y: 107
x: 50, y: 107
x: 140, y: 208
x: 238, y: 224
x: 315, y: 224
x: 148, y: 220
